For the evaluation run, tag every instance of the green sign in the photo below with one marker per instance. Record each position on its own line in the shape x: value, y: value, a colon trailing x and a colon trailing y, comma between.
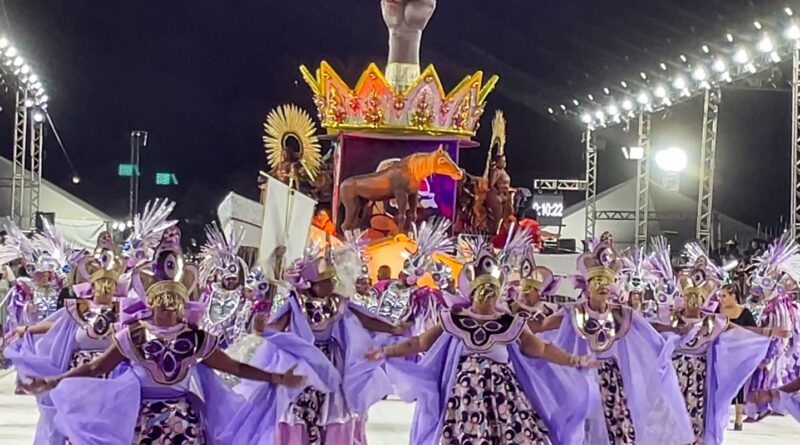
x: 127, y: 170
x: 166, y: 178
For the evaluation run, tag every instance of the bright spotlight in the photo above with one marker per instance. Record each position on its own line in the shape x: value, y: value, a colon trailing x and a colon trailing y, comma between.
x: 29, y: 103
x: 706, y: 49
x: 757, y: 25
x: 550, y: 110
x: 599, y: 115
x: 793, y: 32
x: 741, y: 56
x: 660, y: 91
x: 25, y: 69
x: 679, y: 83
x: 699, y: 74
x: 575, y: 102
x: 729, y: 37
x: 627, y: 105
x: 624, y: 84
x: 663, y: 66
x: 671, y: 160
x: 586, y: 118
x: 612, y: 110
x: 643, y: 75
x: 34, y: 78
x: 606, y: 91
x: 3, y: 42
x: 633, y: 153
x: 563, y: 107
x: 590, y: 97
x: 11, y: 52
x: 38, y: 116
x: 788, y: 11
x: 765, y: 45
x: 643, y: 98
x: 45, y: 98
x: 76, y: 179
x: 19, y: 61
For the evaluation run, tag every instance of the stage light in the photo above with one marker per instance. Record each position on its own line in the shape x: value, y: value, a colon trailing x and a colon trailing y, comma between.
x: 775, y: 57
x: 643, y: 98
x: 793, y: 32
x: 19, y: 61
x: 76, y: 179
x: 11, y: 52
x: 25, y: 69
x: 606, y: 91
x: 765, y: 44
x: 679, y: 83
x: 705, y: 49
x: 719, y: 65
x: 741, y: 56
x: 129, y: 224
x: 612, y: 110
x: 683, y: 58
x: 725, y: 77
x: 699, y: 74
x: 729, y: 37
x: 643, y: 75
x: 38, y: 116
x: 586, y: 118
x: 627, y: 105
x: 660, y: 91
x: 671, y: 160
x: 563, y: 107
x: 663, y: 66
x: 575, y: 102
x: 3, y: 42
x: 788, y: 11
x: 599, y: 115
x: 633, y: 153
x: 29, y: 103
x: 590, y: 97
x: 550, y: 110
x: 624, y: 84
x: 757, y: 25
x: 45, y: 98
x: 667, y: 102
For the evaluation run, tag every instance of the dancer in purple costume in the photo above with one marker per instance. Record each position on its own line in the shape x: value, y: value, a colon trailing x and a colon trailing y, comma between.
x: 333, y: 408
x: 156, y: 401
x: 486, y: 378
x: 774, y: 309
x: 703, y: 356
x: 636, y: 398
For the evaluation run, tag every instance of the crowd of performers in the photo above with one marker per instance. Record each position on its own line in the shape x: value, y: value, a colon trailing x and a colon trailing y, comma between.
x: 134, y: 344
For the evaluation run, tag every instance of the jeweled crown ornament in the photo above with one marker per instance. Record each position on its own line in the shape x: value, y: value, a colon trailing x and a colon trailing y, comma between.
x: 402, y: 98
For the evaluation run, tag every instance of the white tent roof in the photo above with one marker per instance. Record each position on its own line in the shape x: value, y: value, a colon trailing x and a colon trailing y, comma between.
x: 662, y: 201
x: 79, y: 221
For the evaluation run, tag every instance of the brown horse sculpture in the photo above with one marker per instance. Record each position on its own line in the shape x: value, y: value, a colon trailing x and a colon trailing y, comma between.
x: 399, y: 181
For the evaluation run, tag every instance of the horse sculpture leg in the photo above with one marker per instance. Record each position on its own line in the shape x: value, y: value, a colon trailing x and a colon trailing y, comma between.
x: 350, y: 202
x: 413, y: 199
x: 402, y: 209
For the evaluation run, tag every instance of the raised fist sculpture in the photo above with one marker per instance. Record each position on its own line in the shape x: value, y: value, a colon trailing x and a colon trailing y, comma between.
x: 405, y: 20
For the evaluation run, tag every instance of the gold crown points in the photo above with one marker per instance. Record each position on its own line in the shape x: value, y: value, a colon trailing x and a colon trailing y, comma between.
x: 167, y: 287
x: 600, y: 271
x: 100, y: 274
x: 422, y: 107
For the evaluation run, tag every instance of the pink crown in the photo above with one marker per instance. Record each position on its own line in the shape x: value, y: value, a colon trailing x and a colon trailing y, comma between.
x: 374, y: 105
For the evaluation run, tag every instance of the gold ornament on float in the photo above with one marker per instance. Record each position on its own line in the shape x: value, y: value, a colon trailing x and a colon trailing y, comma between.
x: 284, y: 124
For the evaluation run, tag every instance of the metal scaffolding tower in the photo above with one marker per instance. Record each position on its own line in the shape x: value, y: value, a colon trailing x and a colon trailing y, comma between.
x: 20, y: 149
x: 794, y: 210
x: 591, y: 184
x: 35, y: 184
x: 708, y: 150
x: 641, y: 218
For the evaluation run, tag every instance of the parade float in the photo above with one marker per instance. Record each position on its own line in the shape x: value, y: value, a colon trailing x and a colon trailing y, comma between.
x: 395, y: 139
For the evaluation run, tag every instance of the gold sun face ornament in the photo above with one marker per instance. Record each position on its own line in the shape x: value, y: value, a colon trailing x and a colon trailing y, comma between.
x: 291, y: 143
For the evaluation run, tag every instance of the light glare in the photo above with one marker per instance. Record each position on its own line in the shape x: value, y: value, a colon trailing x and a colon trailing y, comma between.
x: 671, y: 160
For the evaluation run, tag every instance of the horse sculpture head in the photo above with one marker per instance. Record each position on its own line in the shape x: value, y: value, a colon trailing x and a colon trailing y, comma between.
x: 444, y: 165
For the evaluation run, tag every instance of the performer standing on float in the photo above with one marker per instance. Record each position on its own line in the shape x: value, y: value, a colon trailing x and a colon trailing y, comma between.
x: 222, y: 273
x: 703, y: 359
x: 774, y: 309
x: 73, y: 336
x: 169, y: 358
x: 636, y: 398
x: 333, y: 408
x: 478, y: 383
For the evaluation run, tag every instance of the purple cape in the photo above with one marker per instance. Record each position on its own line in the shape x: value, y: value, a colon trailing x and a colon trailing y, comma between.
x: 559, y: 394
x: 651, y: 386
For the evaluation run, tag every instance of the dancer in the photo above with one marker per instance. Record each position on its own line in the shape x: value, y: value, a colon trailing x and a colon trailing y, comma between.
x: 776, y: 310
x: 222, y: 272
x: 76, y: 334
x: 155, y: 401
x: 641, y: 399
x: 634, y: 262
x: 252, y: 317
x: 148, y: 228
x: 481, y: 380
x: 365, y: 294
x: 703, y: 359
x: 333, y: 408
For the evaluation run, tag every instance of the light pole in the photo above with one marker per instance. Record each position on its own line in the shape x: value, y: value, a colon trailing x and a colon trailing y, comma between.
x: 138, y: 141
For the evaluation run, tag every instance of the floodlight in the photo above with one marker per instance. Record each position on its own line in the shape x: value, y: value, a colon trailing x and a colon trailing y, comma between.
x: 575, y: 102
x: 643, y: 75
x: 671, y: 160
x: 38, y: 116
x: 679, y: 83
x: 28, y: 103
x: 793, y: 32
x: 788, y: 11
x: 765, y: 44
x: 633, y: 153
x: 660, y: 91
x: 705, y: 49
x: 627, y: 105
x: 586, y: 118
x: 757, y: 25
x: 563, y: 107
x: 3, y: 42
x: 643, y: 98
x: 612, y: 110
x: 663, y: 66
x: 45, y: 98
x: 729, y: 37
x: 550, y: 110
x: 624, y: 84
x: 719, y: 65
x: 19, y: 61
x: 741, y: 56
x: 590, y: 97
x: 25, y: 69
x: 699, y: 74
x: 606, y: 91
x: 11, y: 52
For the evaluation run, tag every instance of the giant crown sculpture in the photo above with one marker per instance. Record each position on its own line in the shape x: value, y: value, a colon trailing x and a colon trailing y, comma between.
x: 375, y: 105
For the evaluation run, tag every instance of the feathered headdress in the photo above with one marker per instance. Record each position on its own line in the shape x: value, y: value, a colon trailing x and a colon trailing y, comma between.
x: 698, y: 258
x: 483, y: 273
x: 768, y: 269
x: 634, y: 262
x: 220, y: 256
x: 431, y: 238
x: 17, y: 246
x: 355, y: 241
x: 659, y: 267
x: 148, y: 227
x: 55, y: 253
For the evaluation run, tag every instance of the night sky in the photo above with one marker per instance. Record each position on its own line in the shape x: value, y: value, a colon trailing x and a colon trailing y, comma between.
x: 201, y: 76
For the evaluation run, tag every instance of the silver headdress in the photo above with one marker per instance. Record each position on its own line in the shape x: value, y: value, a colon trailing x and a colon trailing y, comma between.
x: 17, y: 245
x: 634, y: 262
x: 147, y: 229
x: 771, y: 268
x: 431, y: 238
x: 220, y: 256
x: 659, y: 267
x: 54, y: 252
